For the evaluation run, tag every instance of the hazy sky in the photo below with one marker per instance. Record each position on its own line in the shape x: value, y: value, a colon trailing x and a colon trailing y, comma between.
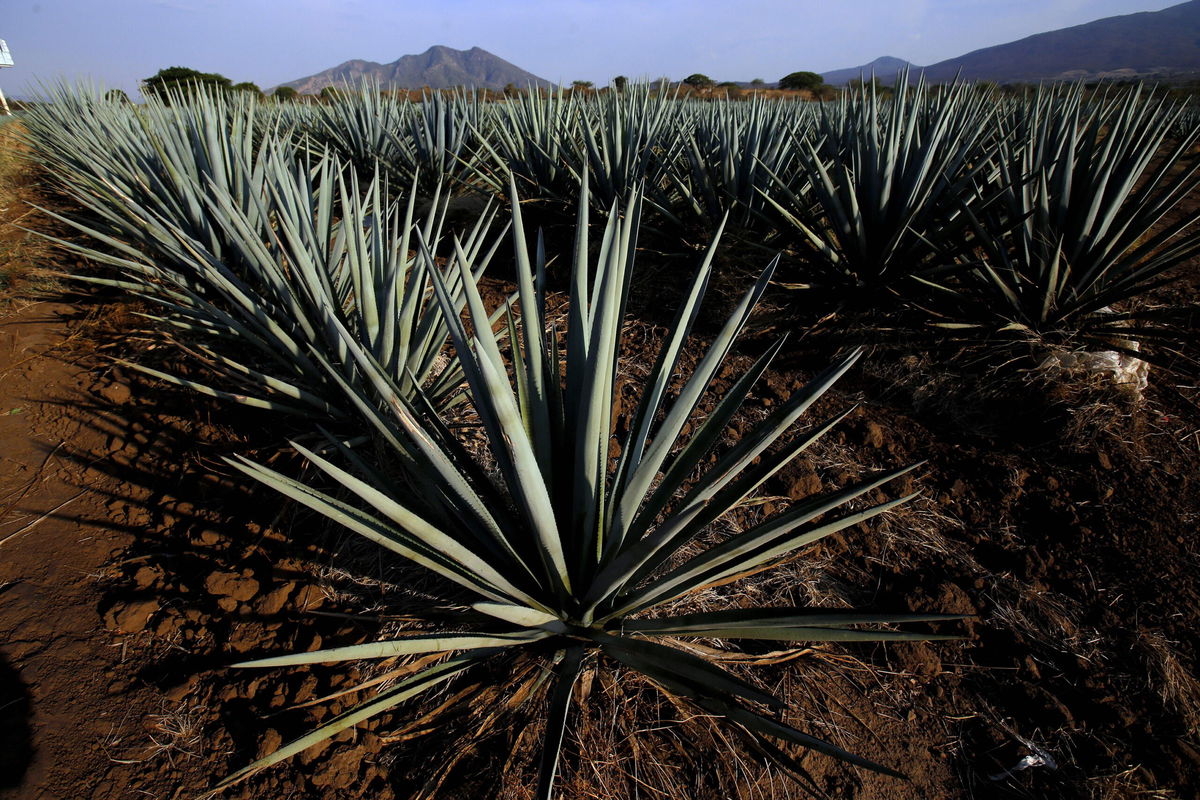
x: 118, y: 42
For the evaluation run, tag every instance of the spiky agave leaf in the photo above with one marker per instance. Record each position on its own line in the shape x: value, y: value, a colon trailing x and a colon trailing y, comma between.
x: 582, y: 545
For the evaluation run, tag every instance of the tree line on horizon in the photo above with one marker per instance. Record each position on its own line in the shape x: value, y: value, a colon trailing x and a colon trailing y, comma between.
x: 803, y: 84
x: 175, y: 78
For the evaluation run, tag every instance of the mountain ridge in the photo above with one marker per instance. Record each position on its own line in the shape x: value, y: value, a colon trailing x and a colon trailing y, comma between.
x: 885, y: 68
x: 1164, y: 43
x: 439, y: 67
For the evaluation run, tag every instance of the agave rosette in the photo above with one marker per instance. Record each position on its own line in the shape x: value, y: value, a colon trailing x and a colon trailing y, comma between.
x: 1079, y: 223
x: 882, y: 181
x: 567, y: 549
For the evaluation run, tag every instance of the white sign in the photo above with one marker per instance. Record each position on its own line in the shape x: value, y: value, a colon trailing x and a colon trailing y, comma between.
x: 5, y: 56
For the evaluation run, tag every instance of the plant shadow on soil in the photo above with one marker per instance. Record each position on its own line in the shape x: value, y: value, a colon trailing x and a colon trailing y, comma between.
x: 16, y: 742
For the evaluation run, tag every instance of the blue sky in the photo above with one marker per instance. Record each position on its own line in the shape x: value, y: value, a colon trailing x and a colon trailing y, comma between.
x: 118, y: 42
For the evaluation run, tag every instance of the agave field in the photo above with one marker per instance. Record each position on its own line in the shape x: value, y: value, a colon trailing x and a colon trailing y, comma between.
x: 594, y: 429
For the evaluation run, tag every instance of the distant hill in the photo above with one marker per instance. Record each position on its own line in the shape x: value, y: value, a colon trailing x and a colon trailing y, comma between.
x: 1150, y: 44
x: 438, y: 68
x: 885, y: 69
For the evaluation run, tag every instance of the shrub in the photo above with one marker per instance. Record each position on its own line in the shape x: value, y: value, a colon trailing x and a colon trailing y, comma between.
x: 163, y: 82
x: 801, y: 81
x: 247, y: 86
x: 883, y: 180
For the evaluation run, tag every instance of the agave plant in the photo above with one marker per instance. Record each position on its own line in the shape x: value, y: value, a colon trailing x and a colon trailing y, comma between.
x: 431, y: 141
x: 534, y: 137
x: 125, y: 163
x: 566, y: 550
x: 733, y: 152
x: 882, y: 183
x: 631, y: 138
x: 1078, y: 224
x: 250, y: 279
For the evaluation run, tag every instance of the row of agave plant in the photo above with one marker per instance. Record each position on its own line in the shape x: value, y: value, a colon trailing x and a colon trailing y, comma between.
x: 294, y: 284
x: 954, y: 212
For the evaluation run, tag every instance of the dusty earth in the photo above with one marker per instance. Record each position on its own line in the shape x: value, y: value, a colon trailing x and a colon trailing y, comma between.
x: 134, y: 567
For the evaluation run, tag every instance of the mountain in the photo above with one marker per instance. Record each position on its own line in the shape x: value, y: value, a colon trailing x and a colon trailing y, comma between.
x: 885, y: 69
x: 438, y: 68
x: 1151, y: 43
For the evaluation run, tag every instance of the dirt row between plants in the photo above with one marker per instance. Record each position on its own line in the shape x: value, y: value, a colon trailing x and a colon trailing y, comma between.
x: 66, y: 701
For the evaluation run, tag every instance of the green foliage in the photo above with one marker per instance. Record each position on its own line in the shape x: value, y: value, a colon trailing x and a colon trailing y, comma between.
x: 581, y: 84
x: 247, y: 86
x: 1080, y: 223
x: 734, y: 154
x: 620, y: 82
x: 879, y: 195
x: 801, y: 81
x: 170, y: 79
x: 116, y: 96
x: 698, y: 80
x: 758, y: 83
x: 259, y: 272
x: 285, y: 94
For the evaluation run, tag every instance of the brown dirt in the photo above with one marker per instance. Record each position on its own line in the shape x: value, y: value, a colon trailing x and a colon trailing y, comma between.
x: 136, y: 568
x: 66, y: 697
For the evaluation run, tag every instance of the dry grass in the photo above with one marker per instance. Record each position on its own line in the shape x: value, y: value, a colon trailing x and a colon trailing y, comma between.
x: 1171, y: 679
x: 1004, y: 392
x: 23, y: 255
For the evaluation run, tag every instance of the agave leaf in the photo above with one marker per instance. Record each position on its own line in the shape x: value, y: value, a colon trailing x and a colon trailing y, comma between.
x: 556, y: 719
x: 417, y: 526
x: 409, y: 645
x: 796, y: 634
x: 370, y: 528
x: 659, y: 660
x: 767, y: 540
x: 762, y: 724
x: 779, y: 617
x: 517, y: 615
x: 200, y: 388
x: 689, y: 397
x: 726, y: 705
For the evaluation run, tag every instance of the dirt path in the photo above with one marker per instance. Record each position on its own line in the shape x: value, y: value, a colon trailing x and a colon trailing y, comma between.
x: 63, y: 714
